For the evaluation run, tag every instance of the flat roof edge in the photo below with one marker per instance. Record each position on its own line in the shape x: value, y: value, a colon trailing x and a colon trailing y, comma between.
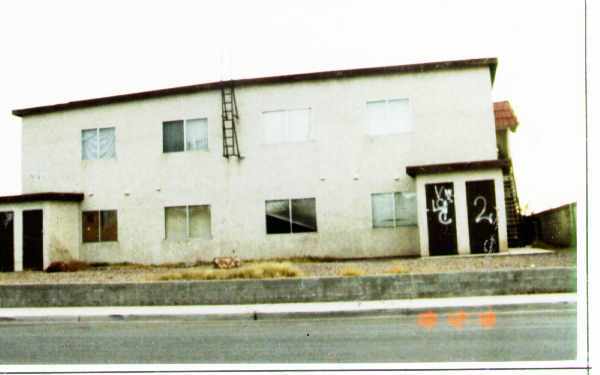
x: 38, y: 197
x: 490, y: 62
x: 428, y: 169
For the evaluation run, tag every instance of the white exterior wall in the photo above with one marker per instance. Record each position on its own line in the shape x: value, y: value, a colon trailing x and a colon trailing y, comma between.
x: 341, y: 167
x: 502, y: 142
x: 459, y: 179
x: 62, y: 229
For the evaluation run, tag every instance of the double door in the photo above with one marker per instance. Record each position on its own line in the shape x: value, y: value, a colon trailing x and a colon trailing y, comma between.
x: 481, y: 213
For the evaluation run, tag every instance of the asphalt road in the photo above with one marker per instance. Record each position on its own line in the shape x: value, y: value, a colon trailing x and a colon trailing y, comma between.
x: 482, y: 335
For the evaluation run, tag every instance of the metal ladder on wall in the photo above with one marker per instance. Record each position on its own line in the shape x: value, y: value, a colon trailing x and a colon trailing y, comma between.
x: 229, y: 115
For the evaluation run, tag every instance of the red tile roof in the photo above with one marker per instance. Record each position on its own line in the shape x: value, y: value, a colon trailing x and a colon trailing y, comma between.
x: 505, y: 117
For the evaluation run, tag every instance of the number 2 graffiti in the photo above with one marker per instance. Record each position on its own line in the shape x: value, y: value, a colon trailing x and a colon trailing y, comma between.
x: 482, y: 216
x: 443, y: 198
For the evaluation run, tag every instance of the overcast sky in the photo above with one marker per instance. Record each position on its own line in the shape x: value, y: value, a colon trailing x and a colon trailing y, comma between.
x: 67, y: 50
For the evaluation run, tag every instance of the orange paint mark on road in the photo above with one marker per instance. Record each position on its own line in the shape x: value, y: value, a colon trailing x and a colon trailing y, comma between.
x: 487, y: 319
x: 457, y: 319
x: 427, y: 319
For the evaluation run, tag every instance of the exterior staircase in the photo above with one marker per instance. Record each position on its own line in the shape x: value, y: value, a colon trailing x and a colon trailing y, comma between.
x: 513, y: 209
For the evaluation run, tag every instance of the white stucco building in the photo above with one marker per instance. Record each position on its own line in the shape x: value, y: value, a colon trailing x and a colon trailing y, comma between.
x: 386, y: 161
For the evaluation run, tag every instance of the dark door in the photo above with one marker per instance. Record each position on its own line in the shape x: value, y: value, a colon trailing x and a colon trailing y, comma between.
x: 483, y: 218
x: 7, y: 242
x: 33, y: 246
x: 441, y: 220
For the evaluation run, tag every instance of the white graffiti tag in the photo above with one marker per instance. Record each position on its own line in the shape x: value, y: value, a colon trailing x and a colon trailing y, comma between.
x: 441, y: 204
x: 489, y: 245
x: 482, y: 216
x: 8, y: 218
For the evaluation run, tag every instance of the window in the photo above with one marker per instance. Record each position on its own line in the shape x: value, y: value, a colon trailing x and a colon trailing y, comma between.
x: 98, y: 143
x: 291, y: 216
x: 283, y: 126
x: 394, y: 209
x: 186, y: 222
x: 99, y: 226
x: 389, y: 116
x: 185, y: 135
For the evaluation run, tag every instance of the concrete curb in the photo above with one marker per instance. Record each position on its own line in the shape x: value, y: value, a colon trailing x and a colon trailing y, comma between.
x: 285, y: 315
x: 409, y: 312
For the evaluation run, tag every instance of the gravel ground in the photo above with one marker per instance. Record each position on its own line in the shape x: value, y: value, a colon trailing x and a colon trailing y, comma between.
x: 132, y: 273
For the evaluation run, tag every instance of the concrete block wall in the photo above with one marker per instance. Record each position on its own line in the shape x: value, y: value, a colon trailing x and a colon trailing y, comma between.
x: 328, y: 289
x: 558, y: 226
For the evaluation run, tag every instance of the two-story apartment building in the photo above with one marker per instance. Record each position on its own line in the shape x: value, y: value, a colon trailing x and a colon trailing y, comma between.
x: 386, y: 161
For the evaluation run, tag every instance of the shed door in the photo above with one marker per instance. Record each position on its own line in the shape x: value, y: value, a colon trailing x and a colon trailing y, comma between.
x: 441, y: 220
x: 7, y: 242
x: 483, y: 217
x: 33, y: 246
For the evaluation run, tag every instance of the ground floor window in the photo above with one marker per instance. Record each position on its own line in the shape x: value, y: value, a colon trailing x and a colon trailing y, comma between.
x: 291, y: 216
x: 183, y: 222
x: 394, y: 209
x: 100, y: 226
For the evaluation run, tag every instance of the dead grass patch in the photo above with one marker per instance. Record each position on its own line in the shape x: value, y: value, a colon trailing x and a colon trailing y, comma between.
x: 351, y: 271
x: 130, y: 266
x: 266, y: 270
x: 397, y: 268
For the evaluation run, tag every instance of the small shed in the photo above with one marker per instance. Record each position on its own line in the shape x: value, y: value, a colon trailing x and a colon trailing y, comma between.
x: 39, y: 228
x: 461, y: 207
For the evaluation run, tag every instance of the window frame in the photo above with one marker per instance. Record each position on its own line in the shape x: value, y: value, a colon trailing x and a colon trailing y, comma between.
x: 99, y: 229
x: 187, y: 223
x: 286, y: 111
x: 291, y: 215
x: 185, y: 132
x: 396, y: 225
x: 97, y: 135
x: 387, y: 117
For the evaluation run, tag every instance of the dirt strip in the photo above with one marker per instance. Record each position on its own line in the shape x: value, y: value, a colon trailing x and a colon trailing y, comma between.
x: 140, y: 273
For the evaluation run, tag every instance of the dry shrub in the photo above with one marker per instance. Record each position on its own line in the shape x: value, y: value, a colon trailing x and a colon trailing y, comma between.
x: 99, y: 264
x: 70, y: 266
x: 350, y: 271
x: 397, y: 268
x: 267, y: 270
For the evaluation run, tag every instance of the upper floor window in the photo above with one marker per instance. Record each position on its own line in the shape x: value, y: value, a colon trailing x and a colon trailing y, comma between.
x: 389, y: 116
x: 185, y: 135
x: 394, y: 209
x: 99, y: 226
x: 291, y: 216
x: 98, y: 143
x: 289, y: 125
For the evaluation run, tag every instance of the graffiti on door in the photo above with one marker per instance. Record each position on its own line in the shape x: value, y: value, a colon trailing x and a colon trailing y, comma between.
x: 483, y: 218
x: 441, y: 218
x: 441, y: 203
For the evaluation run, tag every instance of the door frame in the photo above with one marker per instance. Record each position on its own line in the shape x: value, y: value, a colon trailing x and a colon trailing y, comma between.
x: 459, y: 178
